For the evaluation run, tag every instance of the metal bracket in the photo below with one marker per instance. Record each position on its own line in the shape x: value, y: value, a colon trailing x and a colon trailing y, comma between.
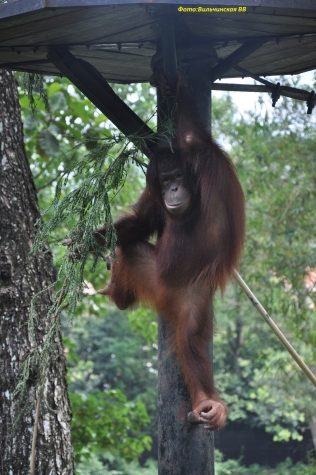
x: 311, y: 102
x: 276, y: 93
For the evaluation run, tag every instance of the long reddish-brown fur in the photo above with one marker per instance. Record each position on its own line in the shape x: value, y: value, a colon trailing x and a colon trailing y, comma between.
x: 179, y: 275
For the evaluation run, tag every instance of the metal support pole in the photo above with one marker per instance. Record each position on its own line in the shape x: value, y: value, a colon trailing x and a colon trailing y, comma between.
x: 184, y: 448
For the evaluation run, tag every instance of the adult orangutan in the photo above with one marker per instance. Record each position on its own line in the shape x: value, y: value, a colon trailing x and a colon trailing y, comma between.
x: 194, y: 203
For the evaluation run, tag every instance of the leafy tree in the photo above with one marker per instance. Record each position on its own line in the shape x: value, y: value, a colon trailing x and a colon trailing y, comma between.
x: 107, y: 421
x: 110, y: 355
x: 276, y: 162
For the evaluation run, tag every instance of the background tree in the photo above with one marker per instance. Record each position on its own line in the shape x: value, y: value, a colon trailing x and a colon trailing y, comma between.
x: 275, y: 156
x: 23, y: 275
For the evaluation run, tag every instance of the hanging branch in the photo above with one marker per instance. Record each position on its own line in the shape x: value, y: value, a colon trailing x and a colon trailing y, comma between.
x: 102, y: 173
x: 33, y: 84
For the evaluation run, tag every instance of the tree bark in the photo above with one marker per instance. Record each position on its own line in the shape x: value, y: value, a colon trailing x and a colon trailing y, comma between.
x: 21, y: 276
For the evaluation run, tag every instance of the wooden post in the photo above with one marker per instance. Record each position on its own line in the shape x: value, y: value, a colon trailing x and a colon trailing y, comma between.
x: 184, y: 448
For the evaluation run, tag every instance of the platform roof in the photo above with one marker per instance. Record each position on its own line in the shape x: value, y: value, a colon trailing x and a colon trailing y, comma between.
x: 120, y: 38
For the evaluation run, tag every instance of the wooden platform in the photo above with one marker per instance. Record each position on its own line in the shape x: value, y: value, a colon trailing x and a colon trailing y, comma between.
x: 120, y: 39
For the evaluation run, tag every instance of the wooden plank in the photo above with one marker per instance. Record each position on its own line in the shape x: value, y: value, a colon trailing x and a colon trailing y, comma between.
x: 287, y: 61
x: 259, y: 15
x: 253, y: 17
x: 18, y: 20
x: 274, y: 66
x: 120, y: 75
x: 18, y: 61
x: 88, y: 28
x: 291, y: 4
x: 135, y: 55
x: 136, y: 28
x: 46, y: 22
x: 287, y: 69
x: 298, y: 13
x: 39, y: 69
x: 109, y: 56
x: 273, y: 50
x: 245, y: 25
x: 122, y: 67
x: 258, y: 19
x: 21, y: 6
x: 100, y: 25
x: 200, y: 23
x: 287, y: 52
x: 242, y: 29
x: 136, y: 31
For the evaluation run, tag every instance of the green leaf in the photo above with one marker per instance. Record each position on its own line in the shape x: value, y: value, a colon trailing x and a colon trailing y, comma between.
x: 58, y: 102
x: 47, y: 142
x: 53, y: 88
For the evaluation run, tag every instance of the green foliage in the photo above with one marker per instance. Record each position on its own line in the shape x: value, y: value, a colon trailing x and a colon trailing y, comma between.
x: 109, y: 355
x: 52, y: 132
x: 99, y: 175
x: 47, y: 144
x: 76, y: 125
x: 114, y: 466
x: 107, y: 421
x: 33, y: 84
x: 144, y: 323
x: 275, y: 158
x: 234, y: 467
x: 102, y: 173
x: 94, y: 466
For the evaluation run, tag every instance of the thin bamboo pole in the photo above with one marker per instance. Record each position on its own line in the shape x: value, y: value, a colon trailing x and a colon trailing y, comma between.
x: 274, y: 327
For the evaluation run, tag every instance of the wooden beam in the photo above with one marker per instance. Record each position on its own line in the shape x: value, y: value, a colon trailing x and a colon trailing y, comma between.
x: 169, y: 51
x: 236, y: 57
x: 286, y: 91
x: 83, y: 75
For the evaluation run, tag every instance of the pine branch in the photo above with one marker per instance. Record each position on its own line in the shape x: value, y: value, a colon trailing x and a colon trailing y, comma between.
x: 101, y: 175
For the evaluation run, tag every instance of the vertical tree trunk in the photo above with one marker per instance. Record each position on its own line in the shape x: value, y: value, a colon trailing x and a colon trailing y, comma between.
x: 21, y: 276
x: 184, y: 448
